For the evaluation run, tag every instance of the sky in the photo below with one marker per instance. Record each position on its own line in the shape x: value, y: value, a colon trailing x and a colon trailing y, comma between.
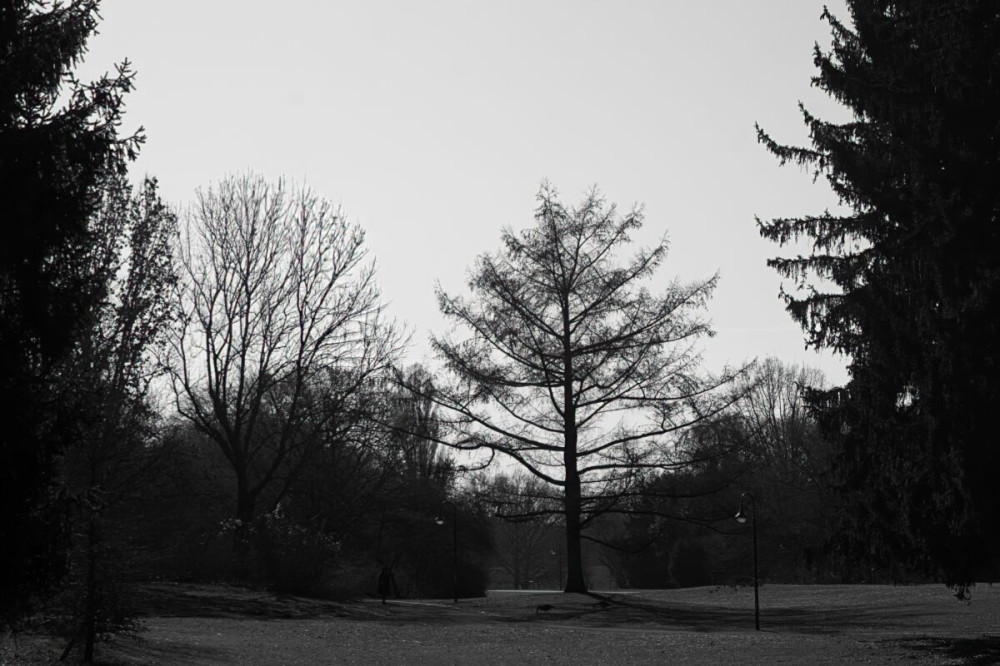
x: 433, y: 123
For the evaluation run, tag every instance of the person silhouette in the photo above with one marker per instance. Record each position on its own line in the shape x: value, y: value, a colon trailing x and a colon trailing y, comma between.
x: 384, y: 581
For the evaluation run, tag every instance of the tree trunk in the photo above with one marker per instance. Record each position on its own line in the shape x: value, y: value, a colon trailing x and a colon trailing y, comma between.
x: 575, y: 581
x: 571, y: 500
x: 245, y: 501
x: 90, y: 619
x: 574, y: 555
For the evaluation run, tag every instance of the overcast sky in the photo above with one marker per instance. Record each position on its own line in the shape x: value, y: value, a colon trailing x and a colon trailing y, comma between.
x: 434, y: 122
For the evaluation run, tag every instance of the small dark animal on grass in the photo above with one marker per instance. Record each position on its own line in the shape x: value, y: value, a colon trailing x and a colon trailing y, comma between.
x: 545, y: 608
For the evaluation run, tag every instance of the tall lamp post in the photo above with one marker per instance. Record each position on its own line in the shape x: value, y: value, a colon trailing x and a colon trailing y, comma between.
x: 454, y: 539
x: 741, y: 518
x: 558, y: 555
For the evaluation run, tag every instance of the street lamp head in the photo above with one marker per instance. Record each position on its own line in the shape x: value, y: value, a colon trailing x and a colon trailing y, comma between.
x: 439, y: 520
x: 741, y: 515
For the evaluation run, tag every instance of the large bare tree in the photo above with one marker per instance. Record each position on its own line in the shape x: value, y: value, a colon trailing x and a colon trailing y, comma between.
x: 281, y: 326
x: 573, y: 368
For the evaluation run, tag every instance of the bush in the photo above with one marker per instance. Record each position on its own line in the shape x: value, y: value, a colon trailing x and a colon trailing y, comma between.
x: 294, y: 557
x: 689, y: 564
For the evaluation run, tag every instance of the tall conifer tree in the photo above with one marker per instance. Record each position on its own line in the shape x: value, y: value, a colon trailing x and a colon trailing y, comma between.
x: 59, y: 144
x: 909, y: 275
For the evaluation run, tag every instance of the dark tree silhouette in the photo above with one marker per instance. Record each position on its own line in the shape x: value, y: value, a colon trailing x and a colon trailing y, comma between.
x: 908, y: 278
x: 112, y: 368
x: 788, y: 470
x: 525, y: 523
x: 415, y: 430
x: 59, y: 142
x: 281, y: 327
x: 573, y: 369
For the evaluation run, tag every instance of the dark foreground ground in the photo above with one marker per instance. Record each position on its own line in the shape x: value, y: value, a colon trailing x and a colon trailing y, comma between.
x: 821, y: 624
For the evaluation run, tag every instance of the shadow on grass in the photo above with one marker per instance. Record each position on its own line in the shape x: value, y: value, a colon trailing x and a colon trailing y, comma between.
x: 983, y: 650
x: 154, y: 652
x: 166, y: 600
x: 594, y: 610
x: 825, y: 621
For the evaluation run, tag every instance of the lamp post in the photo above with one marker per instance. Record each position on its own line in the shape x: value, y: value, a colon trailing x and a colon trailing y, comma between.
x: 741, y: 518
x: 454, y: 539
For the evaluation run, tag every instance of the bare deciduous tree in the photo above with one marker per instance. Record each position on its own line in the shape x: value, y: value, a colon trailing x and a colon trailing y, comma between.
x: 415, y: 430
x: 790, y: 463
x: 527, y: 525
x: 573, y: 369
x: 281, y: 325
x: 777, y: 418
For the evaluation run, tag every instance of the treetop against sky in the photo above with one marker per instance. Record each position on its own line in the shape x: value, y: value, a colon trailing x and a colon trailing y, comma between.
x: 434, y: 123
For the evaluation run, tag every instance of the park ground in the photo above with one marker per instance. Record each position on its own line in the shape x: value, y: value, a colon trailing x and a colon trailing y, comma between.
x: 818, y: 624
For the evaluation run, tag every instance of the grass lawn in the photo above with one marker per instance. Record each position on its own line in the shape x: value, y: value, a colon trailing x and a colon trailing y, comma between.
x: 821, y: 624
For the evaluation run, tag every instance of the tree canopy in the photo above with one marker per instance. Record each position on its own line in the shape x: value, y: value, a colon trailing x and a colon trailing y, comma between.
x: 59, y: 146
x: 573, y: 368
x: 280, y: 329
x: 906, y: 280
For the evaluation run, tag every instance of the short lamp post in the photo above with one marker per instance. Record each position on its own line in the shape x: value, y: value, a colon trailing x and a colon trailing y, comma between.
x: 741, y: 518
x: 454, y: 540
